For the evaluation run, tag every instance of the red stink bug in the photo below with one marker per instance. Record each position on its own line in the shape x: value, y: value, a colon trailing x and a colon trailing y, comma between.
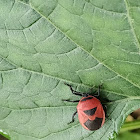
x: 90, y: 110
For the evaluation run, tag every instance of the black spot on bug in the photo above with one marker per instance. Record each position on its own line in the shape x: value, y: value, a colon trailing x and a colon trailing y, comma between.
x: 93, y: 124
x: 91, y: 111
x: 88, y: 98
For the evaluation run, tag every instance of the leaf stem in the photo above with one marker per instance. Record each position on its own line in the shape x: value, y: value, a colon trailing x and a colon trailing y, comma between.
x: 130, y: 126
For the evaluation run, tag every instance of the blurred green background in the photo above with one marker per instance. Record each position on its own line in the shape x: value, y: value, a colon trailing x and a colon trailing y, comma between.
x: 128, y: 135
x: 131, y: 128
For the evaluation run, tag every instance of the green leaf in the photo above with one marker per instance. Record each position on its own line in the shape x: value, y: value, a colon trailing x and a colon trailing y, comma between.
x: 45, y: 43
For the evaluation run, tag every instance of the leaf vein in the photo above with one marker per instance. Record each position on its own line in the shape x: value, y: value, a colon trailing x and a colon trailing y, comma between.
x: 134, y: 84
x: 131, y: 25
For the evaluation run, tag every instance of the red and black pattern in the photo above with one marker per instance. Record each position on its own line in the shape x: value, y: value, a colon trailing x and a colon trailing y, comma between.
x: 95, y: 124
x: 90, y: 113
x: 90, y: 110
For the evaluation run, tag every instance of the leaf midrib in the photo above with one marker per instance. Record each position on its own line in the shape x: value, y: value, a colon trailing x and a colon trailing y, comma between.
x: 131, y: 25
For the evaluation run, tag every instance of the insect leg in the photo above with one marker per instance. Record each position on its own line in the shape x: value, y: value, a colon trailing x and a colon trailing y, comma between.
x: 74, y: 91
x: 71, y: 101
x: 73, y: 117
x: 98, y: 91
